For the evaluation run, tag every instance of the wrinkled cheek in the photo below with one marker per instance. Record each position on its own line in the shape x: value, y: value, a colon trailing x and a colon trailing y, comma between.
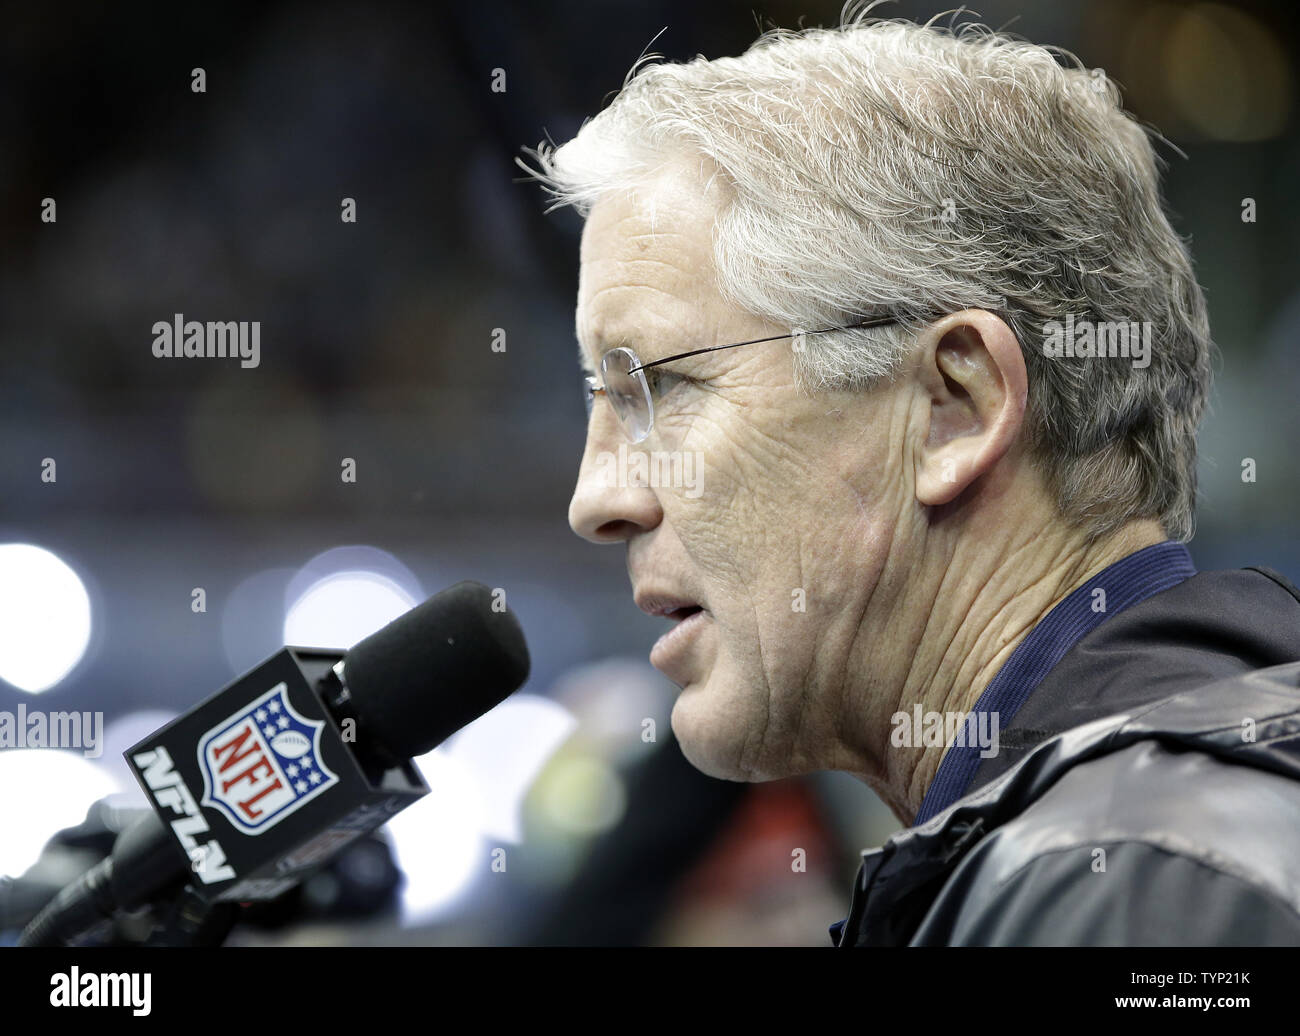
x: 721, y: 542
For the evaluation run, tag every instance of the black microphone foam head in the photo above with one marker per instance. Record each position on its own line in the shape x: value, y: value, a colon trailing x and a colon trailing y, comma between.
x: 434, y: 669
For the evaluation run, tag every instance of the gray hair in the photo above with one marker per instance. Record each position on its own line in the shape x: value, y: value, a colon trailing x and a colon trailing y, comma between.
x: 885, y: 166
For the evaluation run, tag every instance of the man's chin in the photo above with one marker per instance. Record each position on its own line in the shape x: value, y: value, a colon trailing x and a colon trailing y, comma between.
x: 710, y: 741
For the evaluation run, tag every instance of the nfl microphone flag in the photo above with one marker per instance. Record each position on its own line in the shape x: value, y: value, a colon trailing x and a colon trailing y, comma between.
x: 260, y: 783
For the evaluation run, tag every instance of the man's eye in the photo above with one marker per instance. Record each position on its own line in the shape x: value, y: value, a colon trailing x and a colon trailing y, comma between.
x: 662, y: 381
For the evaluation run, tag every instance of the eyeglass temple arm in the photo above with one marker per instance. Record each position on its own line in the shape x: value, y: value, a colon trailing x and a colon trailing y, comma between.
x: 874, y: 322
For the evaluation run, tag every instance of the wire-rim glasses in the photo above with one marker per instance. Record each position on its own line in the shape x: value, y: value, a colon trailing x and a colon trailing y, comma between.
x: 629, y: 392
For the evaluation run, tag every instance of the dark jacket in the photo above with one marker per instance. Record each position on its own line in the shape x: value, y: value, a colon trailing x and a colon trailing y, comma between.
x: 1128, y: 803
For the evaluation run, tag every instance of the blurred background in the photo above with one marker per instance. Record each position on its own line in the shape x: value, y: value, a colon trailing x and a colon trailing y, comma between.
x: 377, y: 345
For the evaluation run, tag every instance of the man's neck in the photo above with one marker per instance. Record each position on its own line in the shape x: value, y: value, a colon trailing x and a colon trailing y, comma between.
x: 988, y: 614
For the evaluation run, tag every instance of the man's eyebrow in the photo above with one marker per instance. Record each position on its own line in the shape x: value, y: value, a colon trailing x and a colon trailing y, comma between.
x: 602, y: 345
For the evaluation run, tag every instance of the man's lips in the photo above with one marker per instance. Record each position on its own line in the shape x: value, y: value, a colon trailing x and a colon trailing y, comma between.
x: 671, y: 653
x: 667, y: 605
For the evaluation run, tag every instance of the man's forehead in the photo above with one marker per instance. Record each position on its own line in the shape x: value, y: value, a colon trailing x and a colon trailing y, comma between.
x: 653, y: 324
x: 654, y: 227
x: 678, y: 197
x: 647, y: 266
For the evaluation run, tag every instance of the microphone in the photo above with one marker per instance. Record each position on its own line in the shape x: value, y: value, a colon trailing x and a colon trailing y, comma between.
x: 295, y: 759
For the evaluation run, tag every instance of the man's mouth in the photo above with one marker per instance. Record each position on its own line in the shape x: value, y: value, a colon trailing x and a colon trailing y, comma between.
x: 675, y: 654
x: 667, y: 605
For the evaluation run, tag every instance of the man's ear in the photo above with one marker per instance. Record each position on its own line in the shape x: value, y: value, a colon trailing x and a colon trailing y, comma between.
x: 972, y: 373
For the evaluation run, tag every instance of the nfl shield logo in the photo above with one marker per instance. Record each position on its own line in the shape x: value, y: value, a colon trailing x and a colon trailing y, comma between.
x: 262, y: 763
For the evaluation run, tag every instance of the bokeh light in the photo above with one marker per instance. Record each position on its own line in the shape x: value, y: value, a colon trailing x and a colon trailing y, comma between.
x: 57, y: 787
x: 44, y: 617
x: 350, y: 592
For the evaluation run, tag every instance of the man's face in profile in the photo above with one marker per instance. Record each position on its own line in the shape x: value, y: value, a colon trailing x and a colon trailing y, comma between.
x: 781, y: 541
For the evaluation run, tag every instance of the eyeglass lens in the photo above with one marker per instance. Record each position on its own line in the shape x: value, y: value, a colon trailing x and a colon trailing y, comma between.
x: 628, y: 393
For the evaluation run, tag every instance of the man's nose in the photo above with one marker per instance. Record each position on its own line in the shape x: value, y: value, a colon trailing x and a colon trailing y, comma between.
x: 608, y: 504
